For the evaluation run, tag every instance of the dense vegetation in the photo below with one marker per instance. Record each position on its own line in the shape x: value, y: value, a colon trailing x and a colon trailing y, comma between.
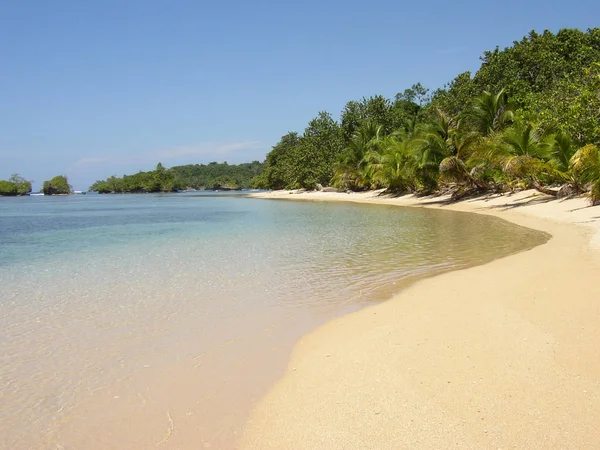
x: 217, y: 176
x: 529, y: 117
x: 59, y: 185
x: 191, y: 176
x: 16, y: 185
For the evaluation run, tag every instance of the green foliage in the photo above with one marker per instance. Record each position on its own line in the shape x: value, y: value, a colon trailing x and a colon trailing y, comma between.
x: 521, y: 151
x: 217, y: 175
x: 318, y: 151
x: 401, y: 114
x: 23, y: 185
x: 59, y: 185
x: 16, y: 185
x: 573, y: 106
x: 490, y: 113
x: 279, y: 164
x: 304, y: 161
x: 457, y: 96
x: 523, y: 120
x: 539, y: 60
x: 377, y: 109
x: 193, y: 176
x: 585, y: 165
x: 350, y: 172
x: 392, y: 165
x: 7, y: 188
x: 553, y: 78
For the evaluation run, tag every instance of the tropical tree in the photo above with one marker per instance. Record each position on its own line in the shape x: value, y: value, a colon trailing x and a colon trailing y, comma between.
x: 573, y: 106
x: 468, y: 135
x: 394, y: 166
x: 585, y: 165
x: 23, y: 185
x: 522, y: 152
x: 432, y: 144
x: 375, y: 110
x: 457, y: 96
x: 8, y: 188
x: 562, y: 150
x: 491, y: 113
x: 460, y: 168
x: 317, y: 153
x: 352, y: 170
x: 59, y: 185
x: 16, y: 185
x: 279, y: 164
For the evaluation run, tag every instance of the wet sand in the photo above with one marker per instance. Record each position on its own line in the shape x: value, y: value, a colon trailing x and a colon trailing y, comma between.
x: 503, y: 355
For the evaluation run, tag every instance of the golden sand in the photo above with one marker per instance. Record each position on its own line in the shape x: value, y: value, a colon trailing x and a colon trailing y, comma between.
x: 504, y: 355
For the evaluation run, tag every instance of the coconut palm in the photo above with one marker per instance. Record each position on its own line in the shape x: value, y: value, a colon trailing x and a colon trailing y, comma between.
x: 351, y: 172
x: 561, y: 152
x: 394, y: 167
x: 522, y: 152
x: 491, y: 113
x: 433, y: 143
x: 585, y: 166
x: 455, y: 168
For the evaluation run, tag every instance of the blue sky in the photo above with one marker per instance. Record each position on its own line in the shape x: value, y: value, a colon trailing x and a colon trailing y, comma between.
x: 95, y: 88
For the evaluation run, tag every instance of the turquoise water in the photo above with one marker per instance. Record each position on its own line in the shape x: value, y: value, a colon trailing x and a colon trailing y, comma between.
x: 137, y: 321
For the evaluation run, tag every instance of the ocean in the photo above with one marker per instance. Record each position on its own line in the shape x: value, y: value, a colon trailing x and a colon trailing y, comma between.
x: 142, y: 321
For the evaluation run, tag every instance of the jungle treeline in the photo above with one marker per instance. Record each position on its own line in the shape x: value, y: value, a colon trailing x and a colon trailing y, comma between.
x: 192, y: 176
x: 528, y: 118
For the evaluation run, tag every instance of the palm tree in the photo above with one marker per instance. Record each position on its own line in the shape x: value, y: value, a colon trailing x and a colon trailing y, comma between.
x: 455, y: 168
x: 561, y: 153
x: 351, y: 172
x: 491, y: 113
x: 433, y: 143
x: 585, y: 166
x: 522, y: 151
x: 393, y: 167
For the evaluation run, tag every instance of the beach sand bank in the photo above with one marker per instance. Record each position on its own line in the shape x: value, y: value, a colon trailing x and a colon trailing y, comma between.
x: 504, y: 355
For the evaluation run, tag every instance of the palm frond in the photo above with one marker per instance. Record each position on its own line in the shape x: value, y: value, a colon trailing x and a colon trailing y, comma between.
x: 585, y: 164
x: 453, y: 169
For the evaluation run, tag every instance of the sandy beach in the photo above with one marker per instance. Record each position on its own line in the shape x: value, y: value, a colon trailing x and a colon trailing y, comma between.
x: 504, y: 355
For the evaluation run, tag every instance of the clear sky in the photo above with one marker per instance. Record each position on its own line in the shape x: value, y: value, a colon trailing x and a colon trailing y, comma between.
x: 93, y: 88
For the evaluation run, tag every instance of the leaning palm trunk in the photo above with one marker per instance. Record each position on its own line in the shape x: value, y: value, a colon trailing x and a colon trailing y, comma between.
x: 453, y: 169
x: 595, y: 193
x: 523, y: 151
x: 544, y: 190
x: 525, y: 166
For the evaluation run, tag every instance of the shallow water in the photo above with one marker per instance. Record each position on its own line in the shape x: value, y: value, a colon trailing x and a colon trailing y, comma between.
x: 157, y: 320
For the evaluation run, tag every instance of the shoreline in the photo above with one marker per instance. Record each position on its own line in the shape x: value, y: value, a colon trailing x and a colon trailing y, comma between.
x: 503, y: 354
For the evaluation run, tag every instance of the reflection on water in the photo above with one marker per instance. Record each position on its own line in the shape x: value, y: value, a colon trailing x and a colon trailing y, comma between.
x: 137, y: 321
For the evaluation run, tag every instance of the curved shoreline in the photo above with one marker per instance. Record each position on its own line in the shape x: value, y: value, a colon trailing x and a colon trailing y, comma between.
x: 504, y: 354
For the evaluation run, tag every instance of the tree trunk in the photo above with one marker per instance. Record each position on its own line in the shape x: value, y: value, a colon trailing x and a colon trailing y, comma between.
x: 544, y: 190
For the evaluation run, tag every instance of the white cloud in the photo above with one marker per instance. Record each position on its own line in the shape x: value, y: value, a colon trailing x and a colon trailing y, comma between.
x: 206, y: 151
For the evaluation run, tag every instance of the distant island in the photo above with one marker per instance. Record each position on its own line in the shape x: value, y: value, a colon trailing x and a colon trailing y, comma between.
x: 15, y: 185
x: 215, y: 176
x: 59, y: 185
